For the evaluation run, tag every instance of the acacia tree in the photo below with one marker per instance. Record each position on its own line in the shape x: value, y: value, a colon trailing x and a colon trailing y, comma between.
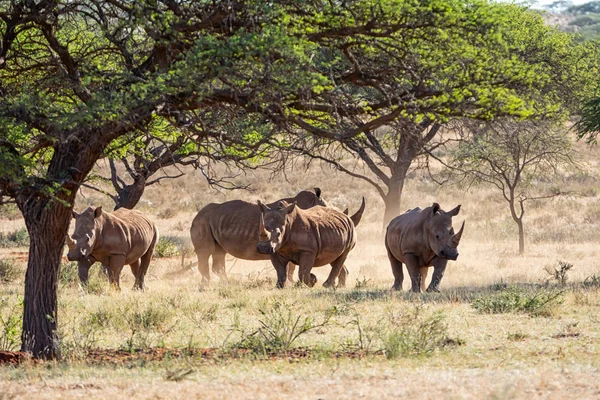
x: 511, y: 64
x: 76, y: 76
x: 513, y: 157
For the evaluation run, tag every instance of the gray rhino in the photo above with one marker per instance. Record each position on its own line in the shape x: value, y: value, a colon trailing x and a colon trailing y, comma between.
x: 230, y: 228
x: 309, y: 238
x: 113, y: 239
x: 421, y: 238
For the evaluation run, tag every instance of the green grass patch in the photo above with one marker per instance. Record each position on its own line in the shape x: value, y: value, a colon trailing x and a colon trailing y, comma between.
x: 18, y: 238
x: 535, y: 302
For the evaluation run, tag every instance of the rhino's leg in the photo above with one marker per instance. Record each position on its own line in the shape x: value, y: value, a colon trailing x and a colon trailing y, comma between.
x: 83, y: 269
x: 144, y: 263
x: 115, y: 267
x: 397, y: 271
x: 143, y: 269
x: 423, y: 271
x: 336, y: 266
x: 135, y: 270
x: 280, y: 264
x: 306, y: 262
x: 203, y: 267
x: 414, y: 270
x: 439, y: 267
x: 291, y: 267
x: 342, y: 276
x: 218, y: 263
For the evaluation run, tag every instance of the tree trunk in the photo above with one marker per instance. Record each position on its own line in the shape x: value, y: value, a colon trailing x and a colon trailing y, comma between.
x: 130, y: 195
x: 47, y: 223
x: 518, y: 218
x: 47, y: 219
x: 521, y: 237
x: 394, y: 196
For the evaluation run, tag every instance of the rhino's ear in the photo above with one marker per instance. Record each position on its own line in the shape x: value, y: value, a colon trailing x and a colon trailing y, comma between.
x: 318, y: 192
x: 290, y: 208
x: 75, y: 215
x: 263, y: 207
x: 435, y: 208
x: 98, y: 212
x: 454, y: 211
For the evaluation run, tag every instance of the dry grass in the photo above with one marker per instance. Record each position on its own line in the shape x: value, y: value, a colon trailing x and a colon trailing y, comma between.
x: 511, y: 354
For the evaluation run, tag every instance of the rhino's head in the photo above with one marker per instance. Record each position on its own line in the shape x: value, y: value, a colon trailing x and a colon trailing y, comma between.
x: 307, y: 199
x: 83, y: 239
x: 272, y: 226
x: 442, y: 239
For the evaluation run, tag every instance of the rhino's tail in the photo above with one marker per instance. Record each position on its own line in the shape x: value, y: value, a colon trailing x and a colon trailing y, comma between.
x: 358, y: 215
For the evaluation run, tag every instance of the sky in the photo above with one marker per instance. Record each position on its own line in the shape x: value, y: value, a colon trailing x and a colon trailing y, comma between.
x: 547, y: 2
x: 542, y: 3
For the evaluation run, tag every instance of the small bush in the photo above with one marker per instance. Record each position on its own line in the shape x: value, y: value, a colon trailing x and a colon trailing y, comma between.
x: 592, y: 281
x: 167, y: 213
x: 367, y: 334
x: 18, y: 238
x: 168, y: 246
x: 97, y: 281
x: 148, y: 318
x: 412, y: 333
x: 279, y: 329
x: 513, y: 299
x: 559, y: 274
x: 8, y: 271
x: 100, y: 318
x: 146, y: 323
x: 10, y: 324
x: 363, y: 283
x: 10, y: 212
x: 69, y: 273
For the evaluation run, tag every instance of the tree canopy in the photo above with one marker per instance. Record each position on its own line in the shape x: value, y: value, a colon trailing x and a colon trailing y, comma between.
x: 502, y: 60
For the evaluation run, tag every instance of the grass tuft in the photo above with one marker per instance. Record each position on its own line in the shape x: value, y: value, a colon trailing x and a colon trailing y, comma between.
x: 9, y: 271
x: 535, y: 302
x: 279, y: 328
x: 169, y: 246
x: 412, y: 333
x: 18, y: 238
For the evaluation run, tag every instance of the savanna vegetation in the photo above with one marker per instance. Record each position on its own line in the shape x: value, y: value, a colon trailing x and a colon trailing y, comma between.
x: 163, y: 106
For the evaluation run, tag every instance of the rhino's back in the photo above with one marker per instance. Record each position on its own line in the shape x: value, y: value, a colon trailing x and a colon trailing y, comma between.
x: 127, y: 232
x: 333, y: 233
x: 233, y: 225
x: 404, y: 233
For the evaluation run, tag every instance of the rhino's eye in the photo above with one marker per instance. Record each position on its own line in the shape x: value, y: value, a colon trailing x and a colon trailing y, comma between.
x: 437, y: 236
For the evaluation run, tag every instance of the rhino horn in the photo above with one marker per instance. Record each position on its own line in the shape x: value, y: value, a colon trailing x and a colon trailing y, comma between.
x: 70, y: 242
x: 358, y: 215
x: 456, y: 237
x: 262, y: 230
